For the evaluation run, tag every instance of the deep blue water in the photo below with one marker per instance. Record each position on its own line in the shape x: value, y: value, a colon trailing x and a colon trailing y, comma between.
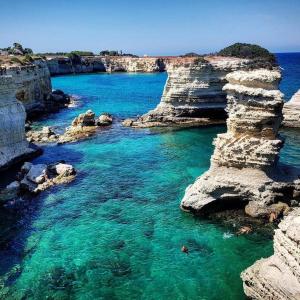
x: 290, y: 63
x: 117, y: 230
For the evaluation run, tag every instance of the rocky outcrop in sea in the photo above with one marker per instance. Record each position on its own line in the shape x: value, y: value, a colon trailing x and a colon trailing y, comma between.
x: 193, y: 94
x: 291, y: 112
x: 278, y: 277
x: 83, y: 126
x: 35, y: 178
x: 244, y: 168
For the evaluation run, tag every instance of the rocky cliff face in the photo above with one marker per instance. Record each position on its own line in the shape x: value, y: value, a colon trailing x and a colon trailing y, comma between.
x: 291, y: 112
x: 13, y: 143
x: 244, y: 163
x: 64, y: 65
x: 278, y: 277
x: 32, y: 84
x: 193, y: 93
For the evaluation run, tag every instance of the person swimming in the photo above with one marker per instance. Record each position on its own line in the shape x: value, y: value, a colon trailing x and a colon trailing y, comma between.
x: 184, y: 249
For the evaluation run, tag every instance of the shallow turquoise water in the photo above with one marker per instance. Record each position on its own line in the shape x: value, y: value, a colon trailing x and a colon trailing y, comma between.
x: 117, y: 230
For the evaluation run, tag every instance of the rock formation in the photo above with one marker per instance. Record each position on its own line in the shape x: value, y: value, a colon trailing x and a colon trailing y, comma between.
x: 64, y: 65
x: 83, y: 126
x: 32, y: 179
x: 291, y: 112
x: 193, y: 93
x: 33, y: 88
x: 33, y: 84
x: 278, y: 277
x: 13, y: 144
x: 244, y: 164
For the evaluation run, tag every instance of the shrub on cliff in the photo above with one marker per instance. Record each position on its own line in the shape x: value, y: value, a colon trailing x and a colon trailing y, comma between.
x: 250, y: 51
x: 75, y: 58
x: 190, y: 54
x: 82, y: 53
x: 109, y: 53
x: 27, y: 58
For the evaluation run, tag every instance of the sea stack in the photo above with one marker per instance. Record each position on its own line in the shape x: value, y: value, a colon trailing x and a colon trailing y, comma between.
x: 244, y: 167
x: 13, y: 143
x: 291, y: 112
x: 193, y: 94
x: 278, y: 277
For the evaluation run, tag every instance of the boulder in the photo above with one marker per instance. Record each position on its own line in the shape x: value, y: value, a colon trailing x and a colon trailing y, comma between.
x: 64, y: 169
x: 105, y: 120
x: 85, y: 119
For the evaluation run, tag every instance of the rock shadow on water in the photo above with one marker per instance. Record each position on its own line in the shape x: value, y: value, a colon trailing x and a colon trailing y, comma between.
x: 16, y: 220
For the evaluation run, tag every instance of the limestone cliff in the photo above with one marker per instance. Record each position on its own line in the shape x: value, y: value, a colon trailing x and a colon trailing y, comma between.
x: 278, y: 277
x: 64, y: 65
x: 244, y: 163
x: 291, y: 112
x: 32, y: 84
x: 13, y: 143
x: 193, y: 93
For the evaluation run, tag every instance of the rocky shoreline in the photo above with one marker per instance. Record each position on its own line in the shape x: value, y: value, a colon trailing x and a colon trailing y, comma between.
x: 199, y: 92
x: 278, y: 277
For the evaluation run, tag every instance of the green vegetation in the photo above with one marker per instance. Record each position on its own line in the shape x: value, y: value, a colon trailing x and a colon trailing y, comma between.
x: 115, y: 53
x: 16, y: 60
x: 82, y: 53
x: 74, y: 57
x: 17, y: 49
x: 251, y: 51
x: 109, y: 53
x: 190, y: 54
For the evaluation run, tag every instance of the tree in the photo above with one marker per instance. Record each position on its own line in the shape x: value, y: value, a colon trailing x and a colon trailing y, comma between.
x: 28, y: 51
x: 252, y: 51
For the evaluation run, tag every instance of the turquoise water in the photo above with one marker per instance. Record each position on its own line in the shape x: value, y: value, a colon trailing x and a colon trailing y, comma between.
x: 116, y: 231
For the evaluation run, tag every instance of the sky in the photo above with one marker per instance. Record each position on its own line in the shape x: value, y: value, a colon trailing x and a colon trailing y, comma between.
x: 152, y: 27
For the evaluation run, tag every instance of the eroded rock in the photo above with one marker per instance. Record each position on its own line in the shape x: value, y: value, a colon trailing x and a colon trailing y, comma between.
x: 278, y: 277
x: 104, y: 120
x: 291, y: 112
x: 193, y: 94
x: 83, y: 126
x: 37, y: 178
x: 244, y: 164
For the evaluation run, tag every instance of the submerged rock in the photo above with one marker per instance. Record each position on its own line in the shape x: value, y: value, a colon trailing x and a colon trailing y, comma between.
x: 10, y: 192
x: 278, y: 277
x: 244, y: 164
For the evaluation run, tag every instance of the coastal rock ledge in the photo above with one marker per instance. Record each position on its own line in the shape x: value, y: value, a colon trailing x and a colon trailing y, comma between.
x: 244, y: 167
x: 291, y: 112
x: 13, y: 144
x: 278, y: 277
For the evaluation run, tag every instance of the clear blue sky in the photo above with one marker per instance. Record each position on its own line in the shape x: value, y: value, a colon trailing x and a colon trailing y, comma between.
x: 153, y: 27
